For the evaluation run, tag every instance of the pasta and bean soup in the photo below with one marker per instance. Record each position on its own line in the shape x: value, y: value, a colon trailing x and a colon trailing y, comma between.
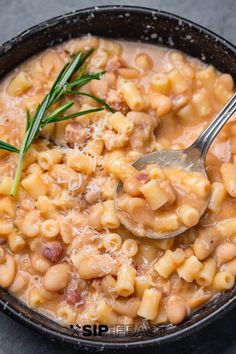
x: 63, y: 250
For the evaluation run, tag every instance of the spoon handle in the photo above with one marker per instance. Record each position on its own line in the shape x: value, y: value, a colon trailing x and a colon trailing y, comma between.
x: 204, y: 141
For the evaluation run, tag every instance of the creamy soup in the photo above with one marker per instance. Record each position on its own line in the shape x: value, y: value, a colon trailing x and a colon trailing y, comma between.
x: 162, y: 200
x: 63, y: 250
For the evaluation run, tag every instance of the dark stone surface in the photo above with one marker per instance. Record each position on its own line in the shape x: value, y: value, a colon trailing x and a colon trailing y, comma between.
x: 217, y: 15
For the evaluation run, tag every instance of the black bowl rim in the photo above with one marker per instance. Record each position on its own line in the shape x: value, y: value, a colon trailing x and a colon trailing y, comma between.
x: 99, y: 345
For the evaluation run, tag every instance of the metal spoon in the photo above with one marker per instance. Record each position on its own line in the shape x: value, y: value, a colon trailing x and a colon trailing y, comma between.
x: 191, y: 159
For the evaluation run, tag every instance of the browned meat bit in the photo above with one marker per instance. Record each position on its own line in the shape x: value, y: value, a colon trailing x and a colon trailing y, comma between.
x: 115, y: 101
x: 73, y: 297
x: 75, y: 134
x: 143, y: 177
x: 53, y: 252
x: 3, y: 242
x: 142, y: 139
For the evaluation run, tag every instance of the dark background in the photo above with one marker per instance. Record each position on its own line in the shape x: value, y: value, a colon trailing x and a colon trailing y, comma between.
x: 219, y: 16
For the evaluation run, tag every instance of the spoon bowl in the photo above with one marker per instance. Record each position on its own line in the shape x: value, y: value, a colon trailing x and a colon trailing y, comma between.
x: 188, y: 160
x: 191, y: 159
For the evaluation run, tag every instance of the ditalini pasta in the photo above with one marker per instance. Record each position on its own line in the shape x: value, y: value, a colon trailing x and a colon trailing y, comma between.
x: 63, y: 250
x: 163, y: 199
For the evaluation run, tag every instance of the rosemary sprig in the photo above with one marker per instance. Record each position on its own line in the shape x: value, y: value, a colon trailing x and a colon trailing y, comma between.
x: 63, y: 85
x: 8, y: 147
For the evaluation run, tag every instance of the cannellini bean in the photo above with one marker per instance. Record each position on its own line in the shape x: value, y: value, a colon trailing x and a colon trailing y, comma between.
x: 99, y: 88
x: 205, y: 244
x: 97, y: 266
x: 225, y: 252
x: 57, y: 277
x: 228, y: 173
x: 176, y: 309
x: 143, y: 61
x: 20, y: 283
x: 95, y: 216
x: 39, y: 263
x: 7, y: 271
x: 127, y: 307
x: 131, y: 186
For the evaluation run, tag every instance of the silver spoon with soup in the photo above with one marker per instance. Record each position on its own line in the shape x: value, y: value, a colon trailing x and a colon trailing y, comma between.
x: 168, y: 191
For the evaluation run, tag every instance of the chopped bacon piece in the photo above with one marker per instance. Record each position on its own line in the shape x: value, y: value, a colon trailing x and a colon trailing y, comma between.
x: 143, y: 177
x: 116, y: 102
x: 75, y: 134
x: 73, y: 297
x: 53, y: 252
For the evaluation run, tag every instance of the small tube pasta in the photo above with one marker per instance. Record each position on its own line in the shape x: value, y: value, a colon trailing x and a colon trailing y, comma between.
x: 199, y: 185
x: 35, y: 298
x: 109, y: 218
x: 50, y: 228
x: 7, y: 207
x: 16, y: 242
x: 189, y: 215
x: 34, y: 185
x: 105, y: 313
x: 223, y: 281
x: 120, y: 169
x: 169, y: 262
x: 48, y: 158
x: 112, y: 242
x: 19, y: 84
x: 218, y: 194
x: 120, y: 123
x: 177, y: 82
x: 81, y: 163
x: 230, y: 267
x: 125, y: 280
x: 5, y: 185
x: 189, y: 269
x: 148, y: 308
x: 202, y: 103
x: 142, y: 282
x: 66, y: 314
x: 130, y: 247
x: 31, y: 224
x: 132, y: 96
x: 154, y: 195
x: 160, y: 83
x: 206, y: 275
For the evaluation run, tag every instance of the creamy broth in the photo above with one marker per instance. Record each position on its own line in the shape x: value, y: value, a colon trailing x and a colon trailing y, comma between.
x: 63, y: 250
x: 162, y: 200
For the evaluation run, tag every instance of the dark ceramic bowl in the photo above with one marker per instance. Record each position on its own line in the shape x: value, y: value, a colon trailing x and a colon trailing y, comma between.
x: 137, y: 24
